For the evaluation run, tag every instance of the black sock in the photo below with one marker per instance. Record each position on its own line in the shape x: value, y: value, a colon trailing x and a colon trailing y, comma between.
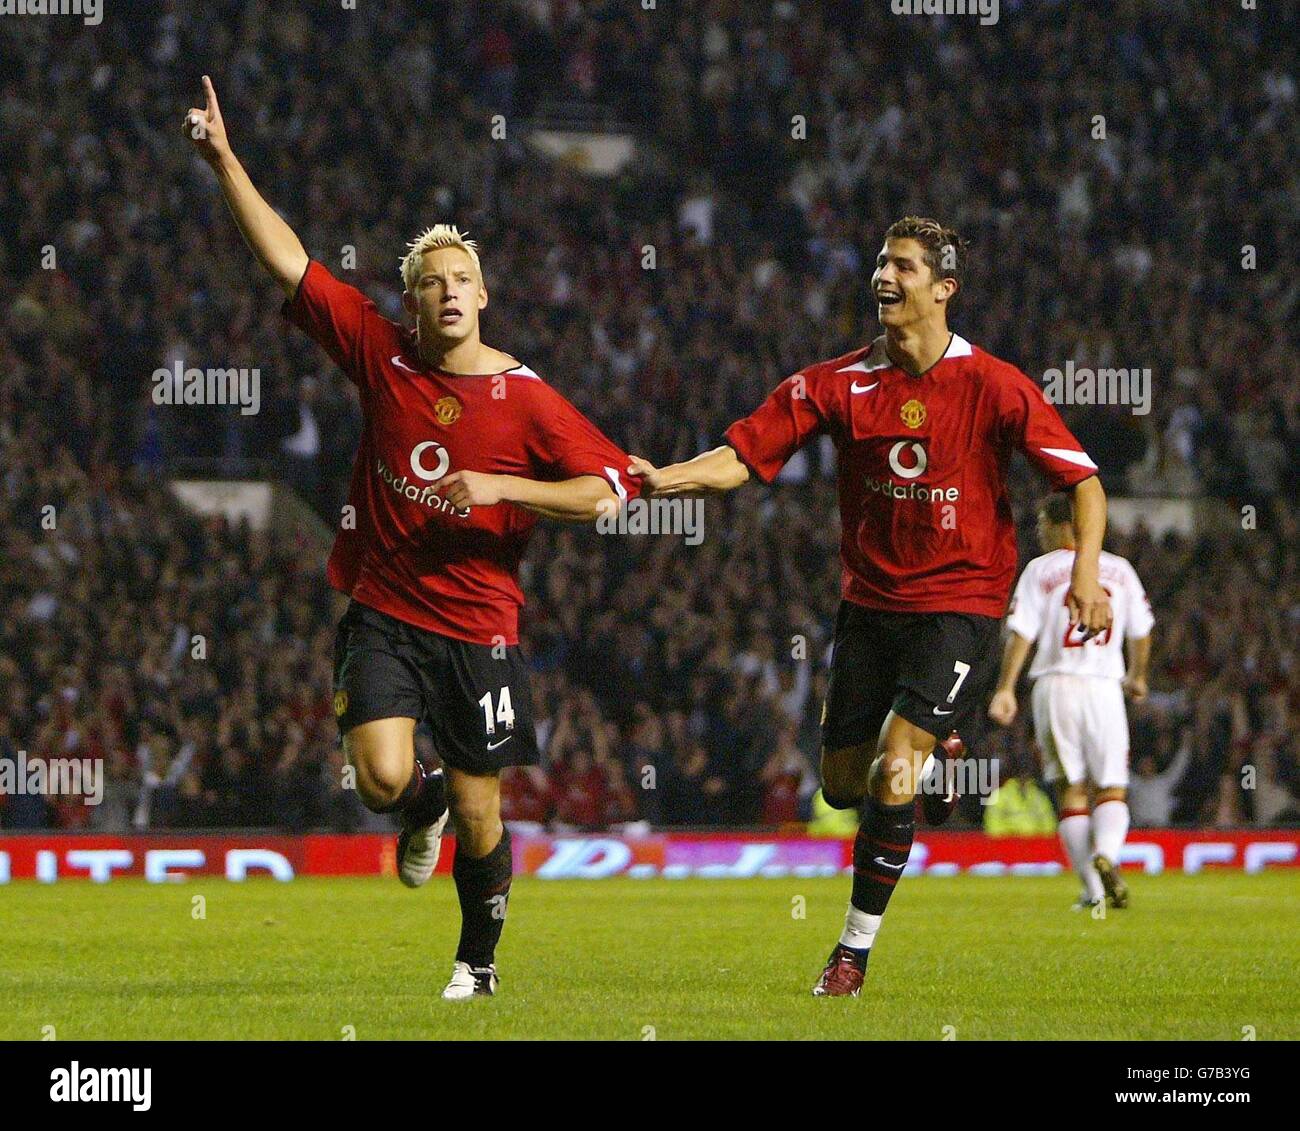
x: 879, y: 853
x: 423, y: 799
x: 483, y: 887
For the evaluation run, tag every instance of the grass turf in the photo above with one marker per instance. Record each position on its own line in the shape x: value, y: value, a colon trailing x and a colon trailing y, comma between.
x: 1196, y: 957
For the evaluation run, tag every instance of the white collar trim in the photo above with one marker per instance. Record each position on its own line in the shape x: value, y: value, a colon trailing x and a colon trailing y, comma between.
x: 877, y: 358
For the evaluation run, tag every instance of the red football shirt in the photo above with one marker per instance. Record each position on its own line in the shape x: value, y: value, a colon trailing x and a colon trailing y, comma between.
x: 926, y: 522
x: 408, y: 552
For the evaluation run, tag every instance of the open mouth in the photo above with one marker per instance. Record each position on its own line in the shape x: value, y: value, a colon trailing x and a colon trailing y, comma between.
x: 449, y: 317
x: 888, y: 298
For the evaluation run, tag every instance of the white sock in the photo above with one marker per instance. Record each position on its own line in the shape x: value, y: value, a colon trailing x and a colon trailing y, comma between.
x: 1109, y: 828
x: 1075, y: 833
x: 859, y: 929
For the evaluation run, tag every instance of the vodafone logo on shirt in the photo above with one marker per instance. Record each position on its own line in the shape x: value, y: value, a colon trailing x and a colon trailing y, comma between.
x: 430, y: 461
x: 908, y: 460
x: 417, y: 454
x: 918, y: 458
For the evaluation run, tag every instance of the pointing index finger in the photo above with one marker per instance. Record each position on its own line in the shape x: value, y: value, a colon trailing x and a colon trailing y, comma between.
x: 210, y: 91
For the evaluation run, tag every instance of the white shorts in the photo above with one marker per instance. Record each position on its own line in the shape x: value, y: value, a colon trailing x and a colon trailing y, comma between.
x: 1082, y: 729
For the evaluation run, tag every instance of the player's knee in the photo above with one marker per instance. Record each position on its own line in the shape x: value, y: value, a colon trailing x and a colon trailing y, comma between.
x: 843, y: 790
x: 380, y: 781
x: 478, y: 828
x: 378, y: 795
x: 844, y: 777
x: 894, y: 774
x: 475, y: 813
x: 842, y: 801
x: 382, y: 756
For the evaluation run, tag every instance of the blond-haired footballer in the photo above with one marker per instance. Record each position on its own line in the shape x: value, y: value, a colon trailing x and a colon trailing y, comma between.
x: 463, y: 448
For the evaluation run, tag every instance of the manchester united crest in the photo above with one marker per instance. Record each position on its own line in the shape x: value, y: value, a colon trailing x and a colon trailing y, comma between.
x: 340, y: 703
x: 913, y: 413
x: 447, y: 410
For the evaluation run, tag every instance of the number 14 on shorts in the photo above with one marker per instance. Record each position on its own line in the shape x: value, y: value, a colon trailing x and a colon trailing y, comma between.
x: 504, y: 713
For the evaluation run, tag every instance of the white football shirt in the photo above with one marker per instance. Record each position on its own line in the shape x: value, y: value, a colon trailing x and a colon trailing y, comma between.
x: 1038, y: 613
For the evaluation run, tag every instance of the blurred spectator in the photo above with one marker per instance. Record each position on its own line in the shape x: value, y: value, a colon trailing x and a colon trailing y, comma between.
x: 1019, y: 806
x: 1151, y: 790
x: 652, y: 655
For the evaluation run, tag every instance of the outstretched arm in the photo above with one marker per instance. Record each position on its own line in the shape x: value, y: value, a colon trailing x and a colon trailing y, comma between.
x: 267, y: 235
x: 716, y: 470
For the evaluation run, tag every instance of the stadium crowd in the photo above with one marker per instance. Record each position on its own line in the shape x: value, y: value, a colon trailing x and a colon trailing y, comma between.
x: 676, y: 684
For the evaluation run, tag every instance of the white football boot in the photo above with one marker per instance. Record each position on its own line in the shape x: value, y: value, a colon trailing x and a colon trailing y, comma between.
x: 418, y: 850
x: 471, y: 981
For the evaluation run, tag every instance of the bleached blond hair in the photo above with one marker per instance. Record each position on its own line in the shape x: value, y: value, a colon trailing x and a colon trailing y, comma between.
x: 440, y: 235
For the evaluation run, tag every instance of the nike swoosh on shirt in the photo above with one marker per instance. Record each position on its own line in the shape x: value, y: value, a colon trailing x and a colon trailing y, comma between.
x: 502, y: 742
x: 856, y: 388
x: 939, y: 712
x: 399, y: 362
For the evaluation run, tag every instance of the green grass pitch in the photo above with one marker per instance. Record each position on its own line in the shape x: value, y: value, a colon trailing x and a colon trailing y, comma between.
x: 1195, y: 957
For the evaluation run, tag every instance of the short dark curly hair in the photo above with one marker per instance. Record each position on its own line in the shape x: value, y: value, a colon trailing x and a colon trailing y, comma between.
x: 947, y: 254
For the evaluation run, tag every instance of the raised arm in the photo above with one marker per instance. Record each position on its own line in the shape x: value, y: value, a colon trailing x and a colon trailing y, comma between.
x: 717, y: 470
x: 271, y: 240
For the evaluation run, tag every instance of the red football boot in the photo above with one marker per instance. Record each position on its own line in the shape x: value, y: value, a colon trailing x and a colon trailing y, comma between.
x: 843, y: 975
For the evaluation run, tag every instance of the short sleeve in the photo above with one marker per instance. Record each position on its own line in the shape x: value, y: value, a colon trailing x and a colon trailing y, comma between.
x: 336, y: 316
x: 774, y: 431
x: 1034, y: 426
x: 565, y: 444
x: 1026, y: 615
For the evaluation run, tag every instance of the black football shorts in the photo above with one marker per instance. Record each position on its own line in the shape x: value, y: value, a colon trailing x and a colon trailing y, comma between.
x: 478, y: 704
x: 933, y: 669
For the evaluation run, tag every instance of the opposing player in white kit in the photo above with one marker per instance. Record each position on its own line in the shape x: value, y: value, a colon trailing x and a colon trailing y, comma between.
x: 1078, y: 697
